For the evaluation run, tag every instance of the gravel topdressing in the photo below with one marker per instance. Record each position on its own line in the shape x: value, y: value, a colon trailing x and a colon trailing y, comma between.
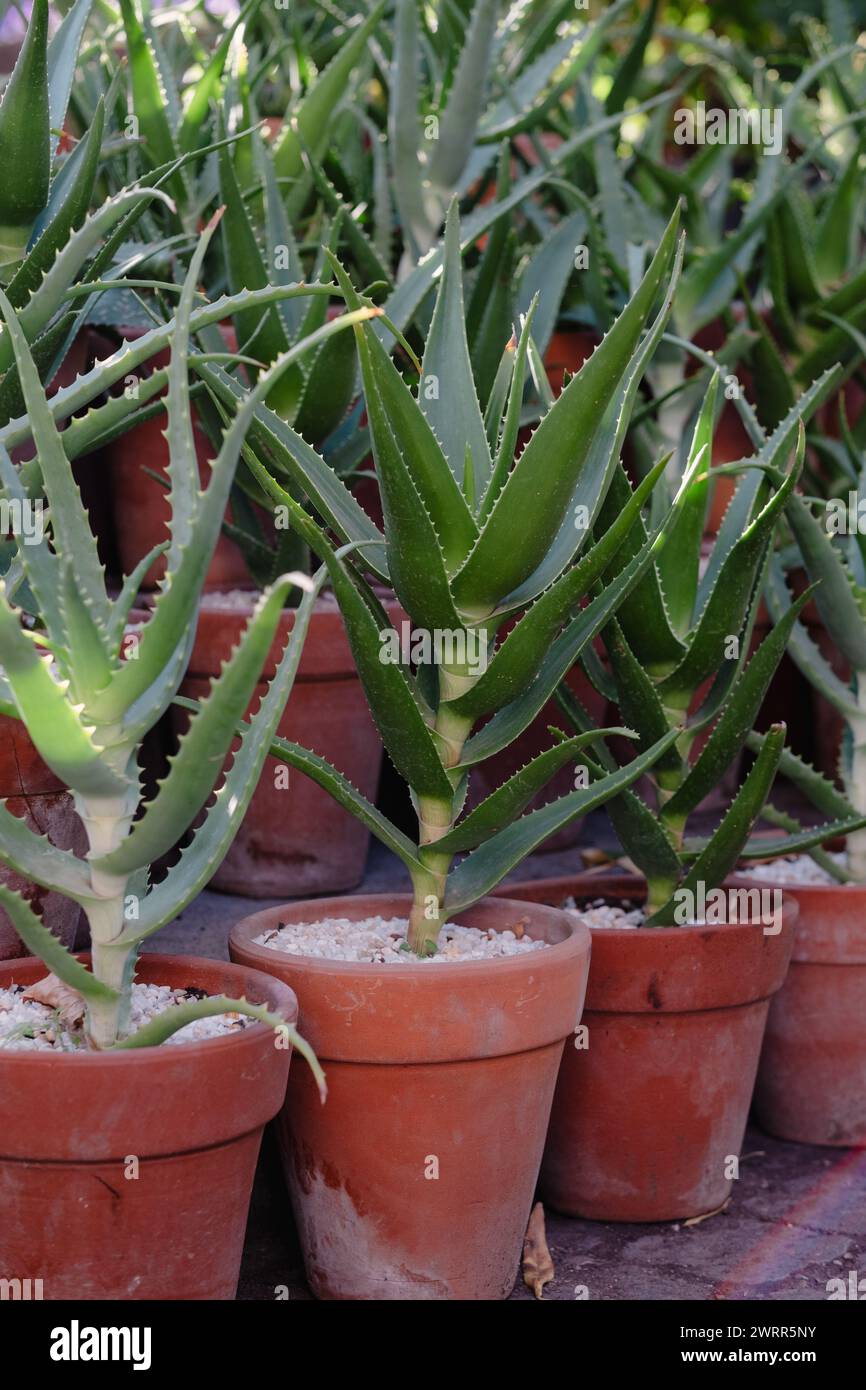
x: 795, y: 869
x: 602, y: 914
x: 380, y: 941
x: 28, y: 1026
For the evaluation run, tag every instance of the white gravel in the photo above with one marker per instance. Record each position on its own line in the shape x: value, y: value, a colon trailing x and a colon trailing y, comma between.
x: 795, y: 869
x: 381, y: 941
x: 602, y: 914
x: 28, y: 1026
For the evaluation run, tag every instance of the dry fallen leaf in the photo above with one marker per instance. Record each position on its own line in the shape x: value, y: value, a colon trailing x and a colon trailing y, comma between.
x: 537, y: 1265
x: 57, y: 995
x: 696, y: 1220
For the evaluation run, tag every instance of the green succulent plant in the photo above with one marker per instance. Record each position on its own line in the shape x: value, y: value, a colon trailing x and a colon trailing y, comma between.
x: 829, y: 544
x: 87, y: 709
x: 474, y: 538
x: 678, y: 657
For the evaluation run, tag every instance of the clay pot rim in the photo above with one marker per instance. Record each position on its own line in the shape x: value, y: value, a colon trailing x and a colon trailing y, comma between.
x: 151, y: 1056
x: 574, y: 943
x: 615, y: 894
x: 812, y: 890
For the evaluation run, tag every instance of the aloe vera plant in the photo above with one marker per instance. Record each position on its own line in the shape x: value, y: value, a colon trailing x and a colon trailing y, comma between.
x: 828, y: 542
x: 87, y: 709
x: 679, y: 658
x: 472, y: 538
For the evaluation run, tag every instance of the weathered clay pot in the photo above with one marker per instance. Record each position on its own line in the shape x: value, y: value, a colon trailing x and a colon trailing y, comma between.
x: 32, y: 792
x: 415, y: 1180
x: 77, y: 1213
x: 139, y: 503
x: 648, y: 1114
x: 811, y: 1083
x: 295, y: 839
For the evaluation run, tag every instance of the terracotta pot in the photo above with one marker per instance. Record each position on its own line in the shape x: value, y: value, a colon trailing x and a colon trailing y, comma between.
x: 812, y: 1078
x: 415, y: 1180
x: 589, y: 884
x: 32, y: 792
x: 646, y: 1117
x: 295, y: 839
x: 567, y: 351
x: 139, y: 503
x: 192, y: 1115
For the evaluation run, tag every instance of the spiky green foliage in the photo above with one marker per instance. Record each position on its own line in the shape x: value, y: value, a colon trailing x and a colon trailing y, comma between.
x: 88, y: 699
x: 679, y: 658
x: 475, y: 533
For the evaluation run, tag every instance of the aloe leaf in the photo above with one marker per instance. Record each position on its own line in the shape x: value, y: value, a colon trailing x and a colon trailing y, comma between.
x: 285, y: 452
x: 730, y: 733
x: 88, y: 655
x: 842, y: 612
x: 310, y: 122
x: 517, y: 660
x: 679, y: 561
x: 804, y: 652
x: 727, y: 604
x: 836, y: 232
x: 36, y: 858
x: 513, y: 718
x: 280, y: 235
x: 24, y: 125
x: 632, y: 61
x: 447, y: 394
x: 527, y: 516
x: 486, y: 866
x: 40, y: 566
x: 637, y: 698
x: 501, y: 807
x: 260, y: 335
x: 639, y: 830
x: 52, y: 293
x: 148, y: 97
x: 459, y: 121
x: 195, y: 768
x: 81, y: 392
x: 207, y: 87
x: 340, y: 788
x: 602, y: 467
x: 803, y: 842
x: 166, y: 632
x: 212, y: 839
x: 821, y: 792
x: 547, y: 273
x: 643, y: 614
x: 328, y: 390
x: 774, y: 449
x: 182, y: 459
x: 40, y: 942
x: 70, y: 524
x: 62, y: 61
x: 435, y: 481
x: 416, y: 561
x: 404, y: 133
x: 723, y: 850
x: 67, y: 207
x: 403, y: 304
x: 58, y: 734
x: 164, y: 1025
x: 511, y: 378
x: 390, y: 694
